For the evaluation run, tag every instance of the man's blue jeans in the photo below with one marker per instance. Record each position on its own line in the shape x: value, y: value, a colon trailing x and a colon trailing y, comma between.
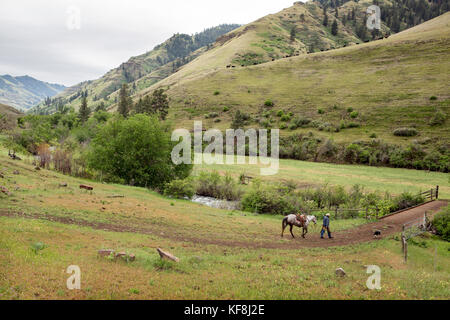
x: 323, y: 231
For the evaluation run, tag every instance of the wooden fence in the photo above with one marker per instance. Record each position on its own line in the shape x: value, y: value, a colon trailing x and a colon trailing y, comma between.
x: 374, y: 212
x: 432, y: 194
x: 412, y: 229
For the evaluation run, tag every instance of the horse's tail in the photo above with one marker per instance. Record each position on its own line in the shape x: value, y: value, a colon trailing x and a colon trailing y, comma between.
x: 285, y: 222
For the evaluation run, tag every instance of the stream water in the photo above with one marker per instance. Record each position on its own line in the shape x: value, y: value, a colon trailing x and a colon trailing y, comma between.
x: 217, y: 203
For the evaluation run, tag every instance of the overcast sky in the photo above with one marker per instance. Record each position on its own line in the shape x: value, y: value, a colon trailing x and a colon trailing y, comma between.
x: 45, y: 39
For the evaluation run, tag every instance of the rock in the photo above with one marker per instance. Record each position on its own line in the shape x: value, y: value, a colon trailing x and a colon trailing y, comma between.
x: 63, y: 185
x: 340, y: 272
x: 16, y: 172
x: 89, y: 188
x: 37, y: 168
x: 105, y: 252
x: 5, y: 191
x: 120, y: 255
x: 167, y: 255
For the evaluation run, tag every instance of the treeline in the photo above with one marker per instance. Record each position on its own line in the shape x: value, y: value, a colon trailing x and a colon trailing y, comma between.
x: 420, y: 155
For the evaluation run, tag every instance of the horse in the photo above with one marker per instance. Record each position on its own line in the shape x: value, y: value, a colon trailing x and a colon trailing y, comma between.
x: 292, y: 220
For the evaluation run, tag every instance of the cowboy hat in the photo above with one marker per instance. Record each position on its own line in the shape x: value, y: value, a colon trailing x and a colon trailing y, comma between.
x: 327, y: 214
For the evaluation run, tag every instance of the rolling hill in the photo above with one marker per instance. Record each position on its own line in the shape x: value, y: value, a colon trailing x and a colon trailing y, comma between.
x: 377, y: 87
x: 141, y: 71
x: 8, y: 117
x: 25, y: 92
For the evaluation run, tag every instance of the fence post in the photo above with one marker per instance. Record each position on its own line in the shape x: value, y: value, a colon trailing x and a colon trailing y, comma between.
x: 437, y: 192
x: 431, y: 192
x: 406, y: 249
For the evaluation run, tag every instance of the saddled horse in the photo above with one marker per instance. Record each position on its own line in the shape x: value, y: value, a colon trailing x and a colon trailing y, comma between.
x: 298, y: 221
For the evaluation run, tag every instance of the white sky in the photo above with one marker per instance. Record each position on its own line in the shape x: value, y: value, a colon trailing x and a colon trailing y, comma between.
x: 35, y: 39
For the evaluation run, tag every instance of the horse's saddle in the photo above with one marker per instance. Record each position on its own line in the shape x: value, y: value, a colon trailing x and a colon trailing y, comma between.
x: 301, y: 219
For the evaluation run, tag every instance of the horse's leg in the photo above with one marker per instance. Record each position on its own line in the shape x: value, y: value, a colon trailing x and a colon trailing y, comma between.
x: 292, y: 232
x: 305, y: 231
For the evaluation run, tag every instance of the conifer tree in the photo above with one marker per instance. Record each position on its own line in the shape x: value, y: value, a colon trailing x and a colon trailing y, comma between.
x: 124, y: 101
x: 84, y: 112
x: 334, y: 28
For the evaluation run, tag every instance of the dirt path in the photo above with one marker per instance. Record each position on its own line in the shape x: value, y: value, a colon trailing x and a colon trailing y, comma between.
x: 361, y: 234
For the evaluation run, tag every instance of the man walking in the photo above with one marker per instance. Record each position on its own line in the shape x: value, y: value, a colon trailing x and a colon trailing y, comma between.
x: 326, y: 226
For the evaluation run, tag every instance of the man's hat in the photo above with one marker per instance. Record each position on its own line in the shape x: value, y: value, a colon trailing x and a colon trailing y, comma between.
x: 327, y: 214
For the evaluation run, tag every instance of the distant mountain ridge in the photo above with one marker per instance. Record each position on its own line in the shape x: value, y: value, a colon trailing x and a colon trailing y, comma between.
x: 24, y: 92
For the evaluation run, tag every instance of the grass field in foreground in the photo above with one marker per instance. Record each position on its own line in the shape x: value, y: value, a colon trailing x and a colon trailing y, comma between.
x: 382, y: 179
x: 206, y: 271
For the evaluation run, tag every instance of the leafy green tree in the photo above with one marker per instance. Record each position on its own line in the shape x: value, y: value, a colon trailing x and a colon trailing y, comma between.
x: 136, y: 150
x: 84, y: 112
x: 124, y: 101
x: 334, y: 28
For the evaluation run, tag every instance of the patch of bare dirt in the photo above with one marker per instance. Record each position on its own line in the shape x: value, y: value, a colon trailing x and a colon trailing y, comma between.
x: 361, y: 234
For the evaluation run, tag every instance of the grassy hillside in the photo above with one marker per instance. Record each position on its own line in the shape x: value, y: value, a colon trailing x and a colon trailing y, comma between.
x: 10, y: 111
x: 25, y: 92
x: 396, y: 82
x: 8, y: 117
x: 230, y: 261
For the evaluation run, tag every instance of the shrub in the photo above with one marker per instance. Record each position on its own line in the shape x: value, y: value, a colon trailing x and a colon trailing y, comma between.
x: 406, y: 132
x: 226, y: 109
x: 321, y: 111
x: 301, y: 122
x: 211, y: 184
x: 353, y: 125
x: 266, y: 199
x: 285, y: 118
x: 268, y: 103
x: 216, y: 93
x: 137, y: 149
x: 179, y: 189
x: 373, y: 136
x: 283, y: 126
x: 211, y: 115
x: 441, y: 223
x: 433, y: 98
x: 438, y: 119
x: 407, y: 200
x: 280, y: 113
x: 292, y: 126
x: 37, y: 246
x: 354, y: 114
x: 349, y: 110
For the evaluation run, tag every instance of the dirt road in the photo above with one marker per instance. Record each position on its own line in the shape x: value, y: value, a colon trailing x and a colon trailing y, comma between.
x: 361, y: 234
